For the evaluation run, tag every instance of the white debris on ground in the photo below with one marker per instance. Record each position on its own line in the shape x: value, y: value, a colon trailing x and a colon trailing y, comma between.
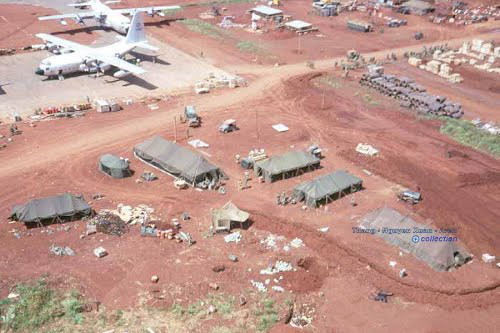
x: 234, y: 237
x: 366, y: 149
x: 141, y: 214
x: 259, y: 285
x: 279, y: 266
x: 392, y: 263
x: 280, y: 128
x: 61, y: 250
x: 197, y: 143
x: 488, y: 258
x: 270, y: 242
x: 489, y: 127
x: 324, y: 229
x: 295, y: 243
x: 278, y: 289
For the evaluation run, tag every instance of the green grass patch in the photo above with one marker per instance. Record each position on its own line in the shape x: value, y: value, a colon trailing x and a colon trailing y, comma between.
x: 248, y: 47
x: 172, y: 12
x: 267, y: 315
x: 36, y: 306
x: 467, y: 134
x: 204, y: 28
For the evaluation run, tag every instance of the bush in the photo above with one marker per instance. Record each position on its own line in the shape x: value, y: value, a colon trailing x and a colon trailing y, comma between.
x: 466, y: 133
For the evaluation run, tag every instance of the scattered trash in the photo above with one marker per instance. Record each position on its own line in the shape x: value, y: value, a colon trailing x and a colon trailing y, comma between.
x: 155, y: 279
x: 100, y: 252
x: 270, y: 241
x: 107, y: 223
x: 61, y: 251
x: 324, y: 229
x: 233, y: 258
x: 488, y: 258
x: 278, y: 289
x: 259, y: 285
x: 279, y: 266
x: 392, y: 263
x: 213, y: 286
x: 402, y: 273
x: 296, y: 243
x: 280, y: 128
x: 97, y: 196
x: 233, y: 237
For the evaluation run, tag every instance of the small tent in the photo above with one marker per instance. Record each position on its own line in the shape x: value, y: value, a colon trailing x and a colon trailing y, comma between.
x: 291, y: 164
x: 51, y: 208
x: 327, y: 188
x: 114, y: 166
x: 222, y: 218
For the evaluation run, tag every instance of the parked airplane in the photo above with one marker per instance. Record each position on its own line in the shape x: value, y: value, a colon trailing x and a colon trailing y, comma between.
x: 75, y: 57
x: 107, y: 17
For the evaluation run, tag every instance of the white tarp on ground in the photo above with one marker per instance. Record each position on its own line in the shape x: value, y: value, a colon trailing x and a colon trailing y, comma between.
x: 366, y: 149
x: 280, y: 128
x: 198, y: 143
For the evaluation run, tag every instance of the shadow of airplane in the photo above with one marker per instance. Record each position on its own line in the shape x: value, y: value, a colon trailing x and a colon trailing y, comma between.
x: 149, y: 58
x: 134, y: 80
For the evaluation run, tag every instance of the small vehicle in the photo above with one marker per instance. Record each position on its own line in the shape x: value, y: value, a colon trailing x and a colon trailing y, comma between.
x: 419, y: 35
x: 191, y: 116
x: 314, y: 150
x: 410, y: 197
x: 228, y: 126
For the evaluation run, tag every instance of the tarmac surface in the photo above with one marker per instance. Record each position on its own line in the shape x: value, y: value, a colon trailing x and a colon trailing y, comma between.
x: 172, y: 70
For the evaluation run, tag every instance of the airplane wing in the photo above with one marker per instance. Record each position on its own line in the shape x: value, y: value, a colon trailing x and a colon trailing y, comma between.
x: 63, y: 43
x: 117, y: 62
x: 152, y: 9
x: 76, y: 16
x: 92, y: 53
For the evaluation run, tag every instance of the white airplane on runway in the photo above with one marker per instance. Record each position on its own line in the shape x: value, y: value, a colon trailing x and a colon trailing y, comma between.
x: 79, y: 58
x: 107, y: 17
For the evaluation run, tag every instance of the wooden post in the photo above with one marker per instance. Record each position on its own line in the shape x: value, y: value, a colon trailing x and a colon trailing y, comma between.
x: 175, y: 129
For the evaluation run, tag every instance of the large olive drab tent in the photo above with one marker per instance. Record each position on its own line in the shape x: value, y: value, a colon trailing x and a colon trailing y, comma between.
x: 291, y: 164
x: 327, y: 188
x: 222, y: 218
x: 114, y: 166
x: 398, y: 229
x: 51, y: 208
x: 177, y: 161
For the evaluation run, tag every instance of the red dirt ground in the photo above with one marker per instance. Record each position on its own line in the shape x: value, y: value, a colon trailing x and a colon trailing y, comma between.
x: 336, y: 38
x: 19, y: 24
x: 338, y: 281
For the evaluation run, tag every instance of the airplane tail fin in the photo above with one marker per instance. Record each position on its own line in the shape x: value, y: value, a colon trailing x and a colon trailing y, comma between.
x: 135, y: 32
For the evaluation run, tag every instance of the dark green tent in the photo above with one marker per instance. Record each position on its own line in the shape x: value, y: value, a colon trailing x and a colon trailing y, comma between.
x: 51, y: 208
x: 114, y: 166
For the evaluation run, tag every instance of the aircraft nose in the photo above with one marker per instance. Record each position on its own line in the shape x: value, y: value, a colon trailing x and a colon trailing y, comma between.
x: 39, y: 71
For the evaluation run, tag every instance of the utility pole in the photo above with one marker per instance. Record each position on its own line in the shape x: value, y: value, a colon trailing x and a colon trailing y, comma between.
x: 175, y: 129
x: 298, y: 50
x: 323, y: 99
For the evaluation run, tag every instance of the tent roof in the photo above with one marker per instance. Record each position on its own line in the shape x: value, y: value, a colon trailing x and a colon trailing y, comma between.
x: 113, y: 162
x: 174, y: 158
x: 328, y: 184
x: 438, y: 255
x: 292, y: 160
x: 50, y: 207
x: 230, y: 212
